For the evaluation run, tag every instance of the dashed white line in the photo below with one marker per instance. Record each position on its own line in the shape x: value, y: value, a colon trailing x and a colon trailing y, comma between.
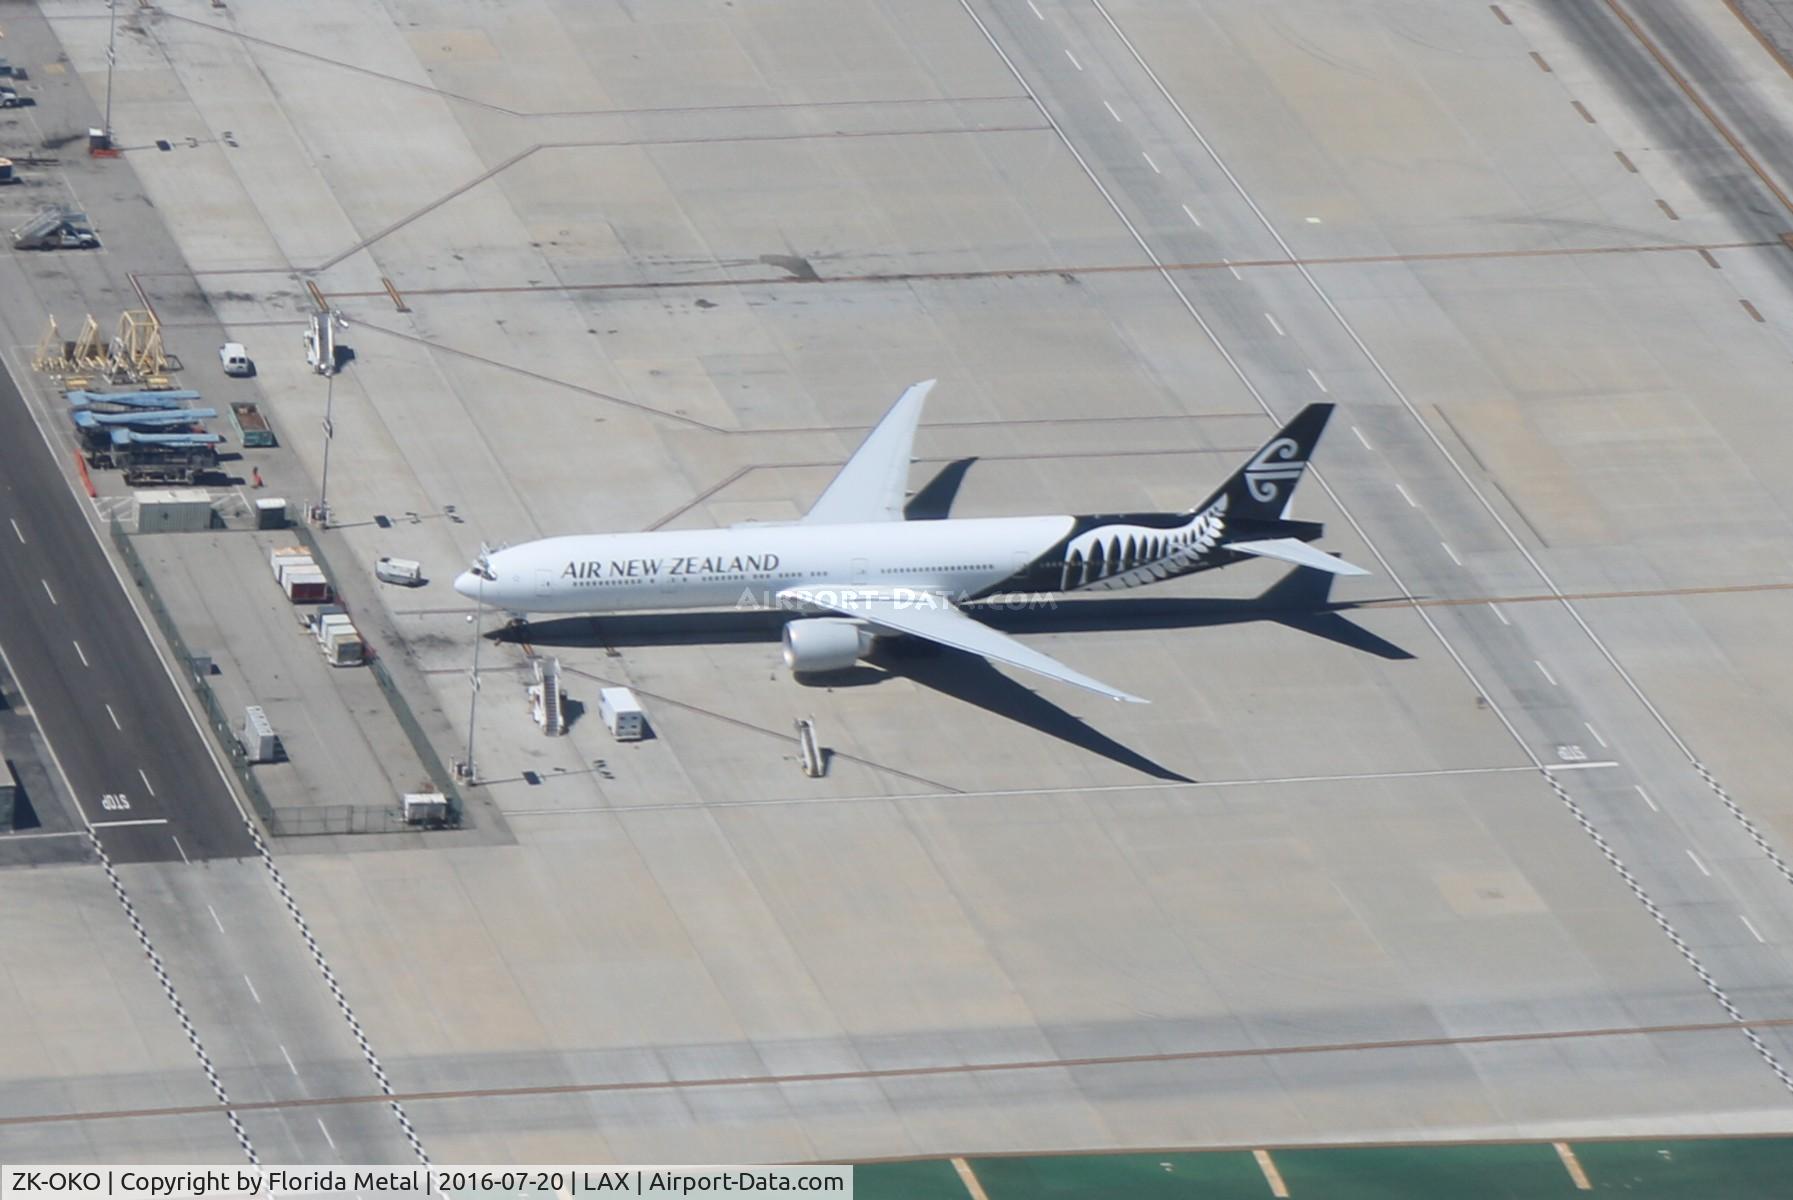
x: 1036, y: 12
x: 1699, y: 864
x: 1545, y: 671
x: 1749, y: 925
x: 215, y: 920
x: 1232, y: 268
x: 252, y: 990
x: 114, y: 717
x: 122, y: 824
x: 1452, y: 553
x: 1646, y: 796
x: 146, y: 782
x: 289, y: 1060
x: 1073, y: 59
x: 1498, y: 613
x: 1405, y: 495
x: 47, y: 591
x: 16, y: 531
x: 1361, y: 438
x: 1111, y: 112
x: 83, y: 655
x: 1595, y: 732
x: 1603, y: 765
x: 1318, y: 382
x: 1279, y: 333
x: 1191, y: 215
x: 182, y: 849
x: 1150, y: 163
x: 327, y: 1136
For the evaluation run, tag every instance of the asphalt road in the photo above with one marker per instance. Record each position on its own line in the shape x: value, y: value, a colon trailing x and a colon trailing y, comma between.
x: 137, y: 765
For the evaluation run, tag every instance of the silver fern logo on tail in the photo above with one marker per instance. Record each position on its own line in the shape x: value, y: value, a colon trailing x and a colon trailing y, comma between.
x: 1124, y: 555
x: 1278, y: 462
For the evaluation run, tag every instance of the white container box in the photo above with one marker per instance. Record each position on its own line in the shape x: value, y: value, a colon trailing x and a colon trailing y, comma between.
x: 622, y: 714
x: 260, y: 742
x: 401, y: 571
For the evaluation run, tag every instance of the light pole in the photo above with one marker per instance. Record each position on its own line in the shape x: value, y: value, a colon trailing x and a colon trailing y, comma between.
x: 329, y: 436
x: 482, y: 568
x: 111, y: 60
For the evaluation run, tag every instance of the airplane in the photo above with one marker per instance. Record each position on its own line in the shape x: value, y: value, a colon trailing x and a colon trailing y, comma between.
x: 856, y: 570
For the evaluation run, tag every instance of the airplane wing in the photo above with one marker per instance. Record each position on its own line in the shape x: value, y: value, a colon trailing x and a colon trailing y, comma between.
x: 1297, y: 552
x: 933, y: 617
x: 873, y: 484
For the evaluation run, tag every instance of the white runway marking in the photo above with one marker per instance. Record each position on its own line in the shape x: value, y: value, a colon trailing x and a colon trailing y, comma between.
x: 1452, y: 553
x: 1036, y: 12
x: 16, y: 532
x: 327, y: 1136
x: 1361, y: 438
x: 252, y: 990
x: 1111, y: 112
x: 114, y: 717
x: 1318, y: 382
x: 1150, y: 163
x: 1272, y: 1175
x: 1232, y: 268
x: 83, y: 655
x: 1073, y: 59
x: 1279, y: 333
x: 1749, y: 925
x: 1407, y: 496
x: 1498, y: 613
x: 1699, y: 864
x: 215, y: 920
x: 146, y: 782
x: 181, y: 848
x: 1595, y: 732
x: 47, y: 591
x: 1602, y: 765
x: 122, y: 824
x: 1646, y: 796
x: 289, y: 1060
x: 1545, y: 671
x: 1192, y: 216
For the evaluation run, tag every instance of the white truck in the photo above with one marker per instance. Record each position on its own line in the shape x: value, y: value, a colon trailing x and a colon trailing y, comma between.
x: 622, y: 714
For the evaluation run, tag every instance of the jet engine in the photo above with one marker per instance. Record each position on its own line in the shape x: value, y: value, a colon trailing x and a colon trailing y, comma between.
x: 822, y: 644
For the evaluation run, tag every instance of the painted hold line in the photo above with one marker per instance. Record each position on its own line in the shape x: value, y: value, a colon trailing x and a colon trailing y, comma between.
x: 123, y: 824
x: 1601, y: 765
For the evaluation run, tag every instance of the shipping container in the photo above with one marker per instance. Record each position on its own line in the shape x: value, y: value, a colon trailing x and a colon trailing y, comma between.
x: 622, y: 714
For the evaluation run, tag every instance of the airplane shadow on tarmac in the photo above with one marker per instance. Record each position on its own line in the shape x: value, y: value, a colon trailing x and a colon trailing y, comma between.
x: 1300, y: 600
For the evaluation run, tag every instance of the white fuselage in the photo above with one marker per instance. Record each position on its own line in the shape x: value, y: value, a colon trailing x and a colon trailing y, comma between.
x: 749, y: 565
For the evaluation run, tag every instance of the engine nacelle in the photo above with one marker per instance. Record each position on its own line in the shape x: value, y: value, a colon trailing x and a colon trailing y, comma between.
x: 822, y: 644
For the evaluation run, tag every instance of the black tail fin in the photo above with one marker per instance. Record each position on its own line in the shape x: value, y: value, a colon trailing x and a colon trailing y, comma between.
x: 1264, y: 486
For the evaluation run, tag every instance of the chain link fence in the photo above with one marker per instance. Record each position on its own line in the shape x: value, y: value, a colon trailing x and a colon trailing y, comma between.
x: 293, y: 820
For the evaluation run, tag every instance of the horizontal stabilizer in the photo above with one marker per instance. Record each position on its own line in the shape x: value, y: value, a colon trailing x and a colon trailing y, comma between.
x: 1299, y: 553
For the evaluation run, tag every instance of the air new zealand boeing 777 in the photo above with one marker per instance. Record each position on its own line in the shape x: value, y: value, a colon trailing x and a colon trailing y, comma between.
x: 859, y: 571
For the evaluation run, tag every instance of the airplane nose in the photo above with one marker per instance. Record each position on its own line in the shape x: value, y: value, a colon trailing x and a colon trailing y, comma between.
x: 467, y: 584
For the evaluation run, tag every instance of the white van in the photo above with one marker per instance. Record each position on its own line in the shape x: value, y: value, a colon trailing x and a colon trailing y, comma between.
x: 235, y: 359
